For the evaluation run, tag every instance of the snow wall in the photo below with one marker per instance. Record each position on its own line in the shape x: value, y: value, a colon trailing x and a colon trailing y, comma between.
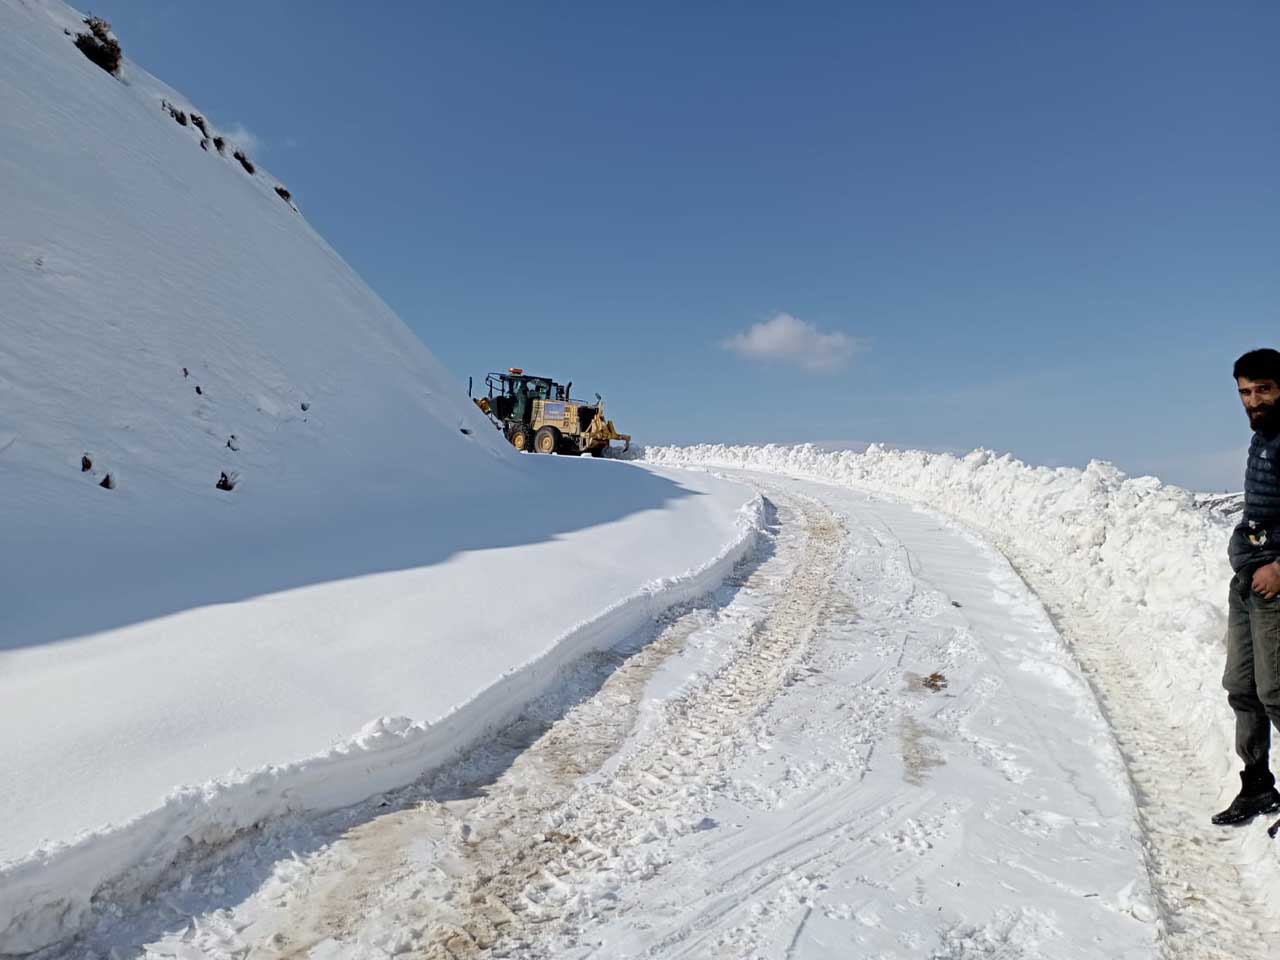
x: 49, y: 895
x: 1138, y: 558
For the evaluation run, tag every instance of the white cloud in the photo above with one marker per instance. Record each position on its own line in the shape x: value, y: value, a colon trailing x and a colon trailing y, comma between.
x: 243, y: 137
x: 790, y: 340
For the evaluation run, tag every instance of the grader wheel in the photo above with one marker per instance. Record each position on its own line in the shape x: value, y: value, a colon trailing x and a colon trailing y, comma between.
x: 520, y: 438
x: 546, y: 440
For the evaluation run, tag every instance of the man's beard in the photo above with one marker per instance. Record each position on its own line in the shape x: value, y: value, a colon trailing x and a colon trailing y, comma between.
x: 1265, y: 419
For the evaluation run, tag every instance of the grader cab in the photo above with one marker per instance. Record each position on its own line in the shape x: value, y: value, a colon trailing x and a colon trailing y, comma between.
x: 536, y: 413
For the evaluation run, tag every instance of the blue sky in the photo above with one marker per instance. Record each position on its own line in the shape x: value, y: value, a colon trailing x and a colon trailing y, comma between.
x: 1047, y: 231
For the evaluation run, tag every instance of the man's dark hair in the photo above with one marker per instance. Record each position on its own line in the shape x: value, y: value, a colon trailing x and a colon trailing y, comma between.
x: 1261, y: 364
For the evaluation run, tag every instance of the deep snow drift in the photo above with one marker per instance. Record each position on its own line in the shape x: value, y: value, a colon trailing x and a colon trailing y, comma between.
x: 307, y: 525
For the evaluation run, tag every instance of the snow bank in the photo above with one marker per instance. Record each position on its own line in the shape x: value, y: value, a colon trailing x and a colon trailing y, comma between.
x: 1143, y: 560
x: 47, y: 896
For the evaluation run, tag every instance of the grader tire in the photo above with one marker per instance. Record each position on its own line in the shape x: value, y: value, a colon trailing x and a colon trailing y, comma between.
x: 520, y: 438
x: 546, y: 440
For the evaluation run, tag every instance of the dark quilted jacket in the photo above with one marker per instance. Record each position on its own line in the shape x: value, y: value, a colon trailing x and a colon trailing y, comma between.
x: 1256, y: 539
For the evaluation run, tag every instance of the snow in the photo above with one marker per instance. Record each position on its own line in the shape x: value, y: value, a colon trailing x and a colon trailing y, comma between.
x: 877, y: 816
x: 386, y: 581
x: 242, y: 687
x: 205, y: 681
x: 1146, y: 558
x: 769, y: 775
x: 1135, y: 573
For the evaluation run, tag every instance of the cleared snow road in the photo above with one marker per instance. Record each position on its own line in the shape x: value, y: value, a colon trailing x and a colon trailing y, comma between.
x: 873, y: 744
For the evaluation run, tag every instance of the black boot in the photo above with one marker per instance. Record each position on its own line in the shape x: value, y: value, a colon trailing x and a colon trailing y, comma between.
x: 1257, y: 795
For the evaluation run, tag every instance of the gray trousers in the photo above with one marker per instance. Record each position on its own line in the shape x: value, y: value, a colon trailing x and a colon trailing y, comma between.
x: 1252, y: 676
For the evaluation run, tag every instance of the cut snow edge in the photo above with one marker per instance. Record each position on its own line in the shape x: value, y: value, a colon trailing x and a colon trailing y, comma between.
x: 47, y: 896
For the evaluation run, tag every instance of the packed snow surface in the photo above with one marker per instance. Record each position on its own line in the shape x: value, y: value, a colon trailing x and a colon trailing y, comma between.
x: 873, y: 743
x: 1135, y: 573
x: 260, y: 553
x: 934, y: 778
x: 1143, y: 556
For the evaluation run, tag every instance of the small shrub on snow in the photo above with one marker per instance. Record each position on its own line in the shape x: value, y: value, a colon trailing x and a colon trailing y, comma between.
x: 244, y: 161
x: 99, y: 46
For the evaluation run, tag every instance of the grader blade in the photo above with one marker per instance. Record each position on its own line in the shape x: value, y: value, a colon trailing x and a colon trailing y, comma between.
x: 615, y: 435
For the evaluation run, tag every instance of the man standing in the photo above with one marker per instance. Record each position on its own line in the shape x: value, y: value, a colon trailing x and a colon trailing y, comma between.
x: 1252, y: 676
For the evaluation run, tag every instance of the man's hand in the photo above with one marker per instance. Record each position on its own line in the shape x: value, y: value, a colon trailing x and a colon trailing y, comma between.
x: 1266, y: 581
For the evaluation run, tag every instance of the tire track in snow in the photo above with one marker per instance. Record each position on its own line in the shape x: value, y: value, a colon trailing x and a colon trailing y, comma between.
x: 594, y: 805
x: 485, y: 862
x: 525, y: 882
x: 768, y: 884
x: 1215, y: 889
x: 1215, y: 903
x: 837, y: 859
x: 300, y: 881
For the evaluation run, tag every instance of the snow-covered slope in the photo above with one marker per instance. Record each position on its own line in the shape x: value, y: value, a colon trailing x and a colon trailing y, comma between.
x: 159, y: 302
x: 169, y: 319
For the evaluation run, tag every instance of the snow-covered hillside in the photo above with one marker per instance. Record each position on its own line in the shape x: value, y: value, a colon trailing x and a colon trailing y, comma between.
x: 169, y: 318
x: 307, y: 526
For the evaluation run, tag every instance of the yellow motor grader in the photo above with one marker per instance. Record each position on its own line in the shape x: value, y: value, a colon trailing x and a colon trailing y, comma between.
x: 536, y: 413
